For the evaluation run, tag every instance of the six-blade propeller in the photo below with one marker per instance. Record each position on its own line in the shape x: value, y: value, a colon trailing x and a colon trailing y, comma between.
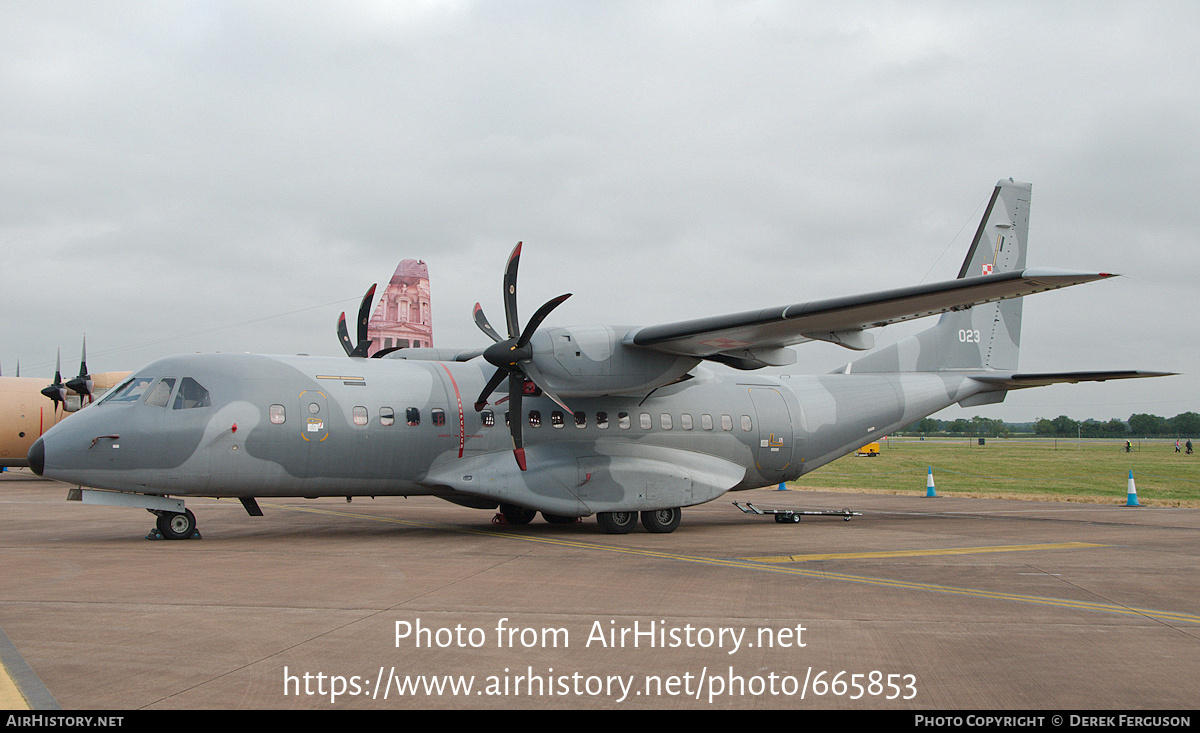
x: 513, y: 356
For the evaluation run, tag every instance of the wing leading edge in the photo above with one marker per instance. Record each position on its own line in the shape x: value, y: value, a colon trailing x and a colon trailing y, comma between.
x: 763, y: 333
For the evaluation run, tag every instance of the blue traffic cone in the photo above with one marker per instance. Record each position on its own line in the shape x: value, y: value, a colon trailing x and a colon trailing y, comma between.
x: 1131, y: 496
x: 930, y: 493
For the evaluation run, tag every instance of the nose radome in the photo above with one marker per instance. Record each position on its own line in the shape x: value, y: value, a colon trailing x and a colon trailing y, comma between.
x: 37, y: 457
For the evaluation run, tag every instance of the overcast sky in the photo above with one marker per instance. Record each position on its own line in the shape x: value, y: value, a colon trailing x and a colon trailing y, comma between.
x: 229, y: 176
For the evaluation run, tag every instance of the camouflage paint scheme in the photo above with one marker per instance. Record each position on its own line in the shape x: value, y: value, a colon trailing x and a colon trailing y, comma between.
x: 781, y: 426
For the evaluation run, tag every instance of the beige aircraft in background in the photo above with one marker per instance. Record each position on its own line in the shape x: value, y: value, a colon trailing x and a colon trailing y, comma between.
x: 30, y: 407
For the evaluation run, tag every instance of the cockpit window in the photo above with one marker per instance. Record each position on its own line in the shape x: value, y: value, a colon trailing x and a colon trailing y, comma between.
x: 161, y: 392
x: 191, y: 394
x: 130, y: 391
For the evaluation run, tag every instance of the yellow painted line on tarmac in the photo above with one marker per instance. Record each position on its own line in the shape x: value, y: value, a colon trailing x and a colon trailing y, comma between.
x: 782, y: 568
x: 10, y: 697
x: 922, y: 553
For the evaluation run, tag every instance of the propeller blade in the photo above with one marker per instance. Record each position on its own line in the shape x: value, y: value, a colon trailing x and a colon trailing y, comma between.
x: 492, y: 384
x: 510, y: 292
x: 538, y: 317
x: 357, y: 350
x: 482, y: 321
x: 516, y: 418
x: 364, y: 315
x: 344, y: 335
x: 535, y: 376
x: 55, y: 390
x: 82, y: 384
x: 384, y: 352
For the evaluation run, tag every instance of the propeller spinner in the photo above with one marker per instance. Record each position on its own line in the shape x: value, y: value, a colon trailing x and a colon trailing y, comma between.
x: 513, y: 357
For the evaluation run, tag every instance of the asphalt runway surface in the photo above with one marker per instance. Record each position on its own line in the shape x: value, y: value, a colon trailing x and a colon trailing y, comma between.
x: 918, y: 604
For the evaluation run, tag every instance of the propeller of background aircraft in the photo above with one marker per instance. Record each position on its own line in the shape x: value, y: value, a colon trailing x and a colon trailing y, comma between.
x: 82, y: 385
x: 56, y: 390
x: 513, y: 357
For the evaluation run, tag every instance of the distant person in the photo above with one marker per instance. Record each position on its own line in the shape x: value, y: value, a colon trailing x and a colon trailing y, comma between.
x: 1177, y: 446
x: 1128, y: 447
x: 1188, y: 445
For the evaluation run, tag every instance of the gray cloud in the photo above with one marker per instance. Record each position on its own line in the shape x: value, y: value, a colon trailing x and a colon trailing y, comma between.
x: 177, y: 169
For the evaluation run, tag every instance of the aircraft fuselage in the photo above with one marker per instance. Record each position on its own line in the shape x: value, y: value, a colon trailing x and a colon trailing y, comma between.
x: 308, y: 426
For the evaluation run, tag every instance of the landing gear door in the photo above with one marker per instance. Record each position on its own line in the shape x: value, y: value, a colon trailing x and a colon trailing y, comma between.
x: 774, y: 454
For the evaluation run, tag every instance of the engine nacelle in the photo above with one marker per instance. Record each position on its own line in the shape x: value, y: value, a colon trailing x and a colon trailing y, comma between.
x: 590, y: 361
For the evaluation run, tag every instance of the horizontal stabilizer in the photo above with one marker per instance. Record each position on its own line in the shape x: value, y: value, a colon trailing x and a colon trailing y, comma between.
x: 1020, y: 381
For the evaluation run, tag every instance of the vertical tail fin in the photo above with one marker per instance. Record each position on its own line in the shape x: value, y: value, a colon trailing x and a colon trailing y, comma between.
x: 983, y: 337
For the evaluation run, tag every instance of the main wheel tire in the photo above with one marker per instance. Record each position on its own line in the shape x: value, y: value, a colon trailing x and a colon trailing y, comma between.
x: 662, y: 521
x: 175, y: 526
x: 617, y: 522
x: 559, y: 519
x: 514, y: 514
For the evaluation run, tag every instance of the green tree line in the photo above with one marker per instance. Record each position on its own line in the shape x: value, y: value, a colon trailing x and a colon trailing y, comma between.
x: 1183, y: 425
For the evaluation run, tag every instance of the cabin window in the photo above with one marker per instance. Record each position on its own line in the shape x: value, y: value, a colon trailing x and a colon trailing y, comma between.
x: 623, y: 420
x: 746, y: 424
x: 726, y: 422
x: 556, y: 419
x: 706, y: 422
x: 161, y: 394
x: 489, y: 418
x: 191, y: 395
x: 412, y: 416
x: 439, y: 417
x: 581, y: 420
x: 665, y: 421
x: 387, y: 416
x: 602, y: 420
x: 685, y: 421
x: 359, y: 415
x: 535, y: 418
x: 645, y: 421
x: 278, y: 414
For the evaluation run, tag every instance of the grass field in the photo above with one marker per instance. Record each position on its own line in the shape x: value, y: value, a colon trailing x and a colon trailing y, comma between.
x: 1095, y: 471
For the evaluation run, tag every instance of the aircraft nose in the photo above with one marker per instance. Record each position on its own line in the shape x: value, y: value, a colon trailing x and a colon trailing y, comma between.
x: 37, y: 457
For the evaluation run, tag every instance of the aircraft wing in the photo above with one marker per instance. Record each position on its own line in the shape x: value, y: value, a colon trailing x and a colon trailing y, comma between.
x: 759, y: 336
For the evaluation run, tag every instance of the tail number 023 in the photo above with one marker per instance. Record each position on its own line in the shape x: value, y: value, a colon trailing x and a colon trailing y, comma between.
x: 968, y: 336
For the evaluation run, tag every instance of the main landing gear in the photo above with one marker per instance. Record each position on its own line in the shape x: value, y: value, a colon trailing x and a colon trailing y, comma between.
x: 174, y: 526
x: 513, y: 514
x: 658, y: 521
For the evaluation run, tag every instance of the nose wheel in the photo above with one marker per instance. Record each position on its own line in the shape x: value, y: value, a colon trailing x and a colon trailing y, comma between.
x: 176, y: 526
